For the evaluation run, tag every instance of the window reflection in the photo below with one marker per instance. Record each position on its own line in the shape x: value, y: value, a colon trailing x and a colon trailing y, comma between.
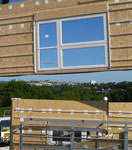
x: 48, y: 36
x: 83, y: 30
x: 83, y: 56
x: 48, y: 58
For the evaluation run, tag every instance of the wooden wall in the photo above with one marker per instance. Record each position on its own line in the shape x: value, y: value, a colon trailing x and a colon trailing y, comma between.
x: 63, y: 109
x: 55, y: 109
x: 17, y: 37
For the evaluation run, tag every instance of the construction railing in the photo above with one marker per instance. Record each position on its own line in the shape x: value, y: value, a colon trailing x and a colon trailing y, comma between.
x: 68, y: 134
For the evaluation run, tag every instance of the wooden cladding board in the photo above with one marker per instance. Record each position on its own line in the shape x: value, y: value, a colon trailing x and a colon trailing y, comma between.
x: 17, y: 37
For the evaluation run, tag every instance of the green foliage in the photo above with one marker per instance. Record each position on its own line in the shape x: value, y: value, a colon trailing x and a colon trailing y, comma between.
x: 2, y: 109
x: 116, y: 92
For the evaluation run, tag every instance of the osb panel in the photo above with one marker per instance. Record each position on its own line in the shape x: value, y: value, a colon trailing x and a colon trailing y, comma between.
x: 16, y: 50
x: 120, y: 54
x: 13, y: 69
x: 7, y: 62
x: 8, y: 19
x: 129, y: 27
x: 121, y: 5
x: 120, y: 106
x: 93, y: 145
x: 31, y: 140
x: 19, y: 73
x: 16, y: 28
x: 38, y: 105
x: 54, y: 9
x: 120, y: 40
x: 121, y: 15
x: 15, y: 39
x: 114, y: 29
x: 117, y: 113
x: 69, y: 105
x: 130, y: 53
x: 122, y: 63
x: 42, y: 6
x: 72, y: 11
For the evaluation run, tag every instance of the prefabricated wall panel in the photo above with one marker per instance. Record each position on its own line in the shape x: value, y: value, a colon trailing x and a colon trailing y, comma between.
x: 65, y: 109
x: 18, y: 38
x: 50, y: 109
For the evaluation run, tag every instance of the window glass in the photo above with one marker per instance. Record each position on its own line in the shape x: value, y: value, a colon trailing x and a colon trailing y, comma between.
x: 83, y: 56
x: 83, y: 30
x: 48, y: 58
x: 5, y: 125
x: 48, y: 34
x: 81, y: 43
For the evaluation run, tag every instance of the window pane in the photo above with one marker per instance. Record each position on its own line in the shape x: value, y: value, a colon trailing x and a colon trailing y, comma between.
x: 83, y: 30
x: 48, y: 58
x: 83, y: 56
x: 48, y: 36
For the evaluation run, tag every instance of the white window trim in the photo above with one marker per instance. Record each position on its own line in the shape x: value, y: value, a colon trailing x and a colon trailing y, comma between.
x: 87, y: 66
x: 60, y: 46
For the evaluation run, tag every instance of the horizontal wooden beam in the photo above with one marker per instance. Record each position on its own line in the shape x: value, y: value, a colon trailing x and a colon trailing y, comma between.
x: 120, y: 9
x: 121, y: 34
x: 18, y: 22
x: 121, y: 47
x: 118, y: 60
x: 91, y: 1
x: 15, y: 72
x: 16, y: 33
x: 120, y: 21
x: 20, y: 55
x: 121, y: 66
x: 22, y: 16
x: 22, y: 66
x: 17, y: 44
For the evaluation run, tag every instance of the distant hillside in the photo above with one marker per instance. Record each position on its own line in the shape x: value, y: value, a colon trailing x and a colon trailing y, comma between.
x: 116, y: 92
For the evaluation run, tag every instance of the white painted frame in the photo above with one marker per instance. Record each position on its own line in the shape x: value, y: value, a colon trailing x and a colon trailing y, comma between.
x: 60, y: 46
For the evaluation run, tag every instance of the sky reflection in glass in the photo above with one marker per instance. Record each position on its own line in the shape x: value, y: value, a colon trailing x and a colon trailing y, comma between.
x: 48, y: 58
x: 83, y: 56
x: 83, y: 30
x: 48, y: 34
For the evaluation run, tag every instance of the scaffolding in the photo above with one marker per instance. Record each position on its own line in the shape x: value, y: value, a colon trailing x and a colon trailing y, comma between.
x: 68, y: 131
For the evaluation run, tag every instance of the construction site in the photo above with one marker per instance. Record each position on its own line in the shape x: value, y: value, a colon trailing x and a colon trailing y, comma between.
x: 63, y: 124
x: 59, y: 37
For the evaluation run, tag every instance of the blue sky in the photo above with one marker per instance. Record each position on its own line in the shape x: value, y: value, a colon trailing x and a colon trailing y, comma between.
x: 108, y: 76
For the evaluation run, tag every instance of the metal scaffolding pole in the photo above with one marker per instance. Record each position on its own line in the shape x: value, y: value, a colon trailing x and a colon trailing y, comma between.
x: 72, y: 136
x: 71, y: 128
x: 126, y: 137
x: 20, y: 144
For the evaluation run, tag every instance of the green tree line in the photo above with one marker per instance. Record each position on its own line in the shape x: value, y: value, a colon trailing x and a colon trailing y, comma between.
x: 116, y: 92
